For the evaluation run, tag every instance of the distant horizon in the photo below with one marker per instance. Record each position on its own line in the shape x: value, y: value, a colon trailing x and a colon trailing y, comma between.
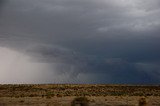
x: 80, y: 42
x: 83, y: 84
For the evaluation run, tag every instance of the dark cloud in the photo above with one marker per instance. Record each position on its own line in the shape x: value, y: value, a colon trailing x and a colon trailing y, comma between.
x: 104, y: 41
x: 2, y: 2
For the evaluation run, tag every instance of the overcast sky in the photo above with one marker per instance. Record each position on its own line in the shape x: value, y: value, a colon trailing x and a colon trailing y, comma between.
x: 80, y: 41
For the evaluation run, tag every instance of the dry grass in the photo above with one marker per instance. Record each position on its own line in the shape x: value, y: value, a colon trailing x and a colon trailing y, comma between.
x: 67, y: 94
x: 63, y: 90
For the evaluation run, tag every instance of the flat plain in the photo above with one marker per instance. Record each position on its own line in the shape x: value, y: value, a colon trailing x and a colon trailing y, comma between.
x: 79, y: 95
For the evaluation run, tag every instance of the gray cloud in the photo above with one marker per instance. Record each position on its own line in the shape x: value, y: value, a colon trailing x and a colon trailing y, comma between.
x: 104, y: 41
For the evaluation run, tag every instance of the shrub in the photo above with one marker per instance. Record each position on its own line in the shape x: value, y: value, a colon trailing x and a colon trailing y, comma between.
x: 48, y: 96
x: 21, y: 101
x: 80, y: 101
x: 142, y: 102
x: 59, y: 95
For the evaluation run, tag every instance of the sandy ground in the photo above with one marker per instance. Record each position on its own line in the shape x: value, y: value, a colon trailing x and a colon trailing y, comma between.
x: 66, y: 101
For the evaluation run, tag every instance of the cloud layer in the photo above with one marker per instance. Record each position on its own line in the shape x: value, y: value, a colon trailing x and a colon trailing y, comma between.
x: 86, y: 41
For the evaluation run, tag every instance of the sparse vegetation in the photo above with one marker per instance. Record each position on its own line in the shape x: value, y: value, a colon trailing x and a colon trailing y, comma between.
x: 82, y: 94
x: 77, y: 90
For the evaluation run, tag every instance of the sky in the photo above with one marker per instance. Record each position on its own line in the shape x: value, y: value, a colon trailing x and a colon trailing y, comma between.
x: 80, y: 41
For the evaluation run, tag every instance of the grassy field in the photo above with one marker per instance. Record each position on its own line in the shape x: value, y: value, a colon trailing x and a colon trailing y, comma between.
x: 79, y: 95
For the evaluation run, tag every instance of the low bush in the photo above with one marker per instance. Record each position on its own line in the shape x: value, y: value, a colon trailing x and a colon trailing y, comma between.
x: 80, y: 101
x: 142, y: 102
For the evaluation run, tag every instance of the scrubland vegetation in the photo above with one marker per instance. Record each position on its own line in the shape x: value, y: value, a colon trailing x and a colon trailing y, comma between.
x: 79, y: 95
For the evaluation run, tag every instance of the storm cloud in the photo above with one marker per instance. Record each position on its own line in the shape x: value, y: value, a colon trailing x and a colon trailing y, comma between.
x: 80, y: 41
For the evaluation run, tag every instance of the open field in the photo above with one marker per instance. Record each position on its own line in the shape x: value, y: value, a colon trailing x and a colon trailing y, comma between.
x: 79, y: 95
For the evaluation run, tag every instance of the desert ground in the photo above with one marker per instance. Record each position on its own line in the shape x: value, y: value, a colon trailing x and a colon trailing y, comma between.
x: 79, y: 95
